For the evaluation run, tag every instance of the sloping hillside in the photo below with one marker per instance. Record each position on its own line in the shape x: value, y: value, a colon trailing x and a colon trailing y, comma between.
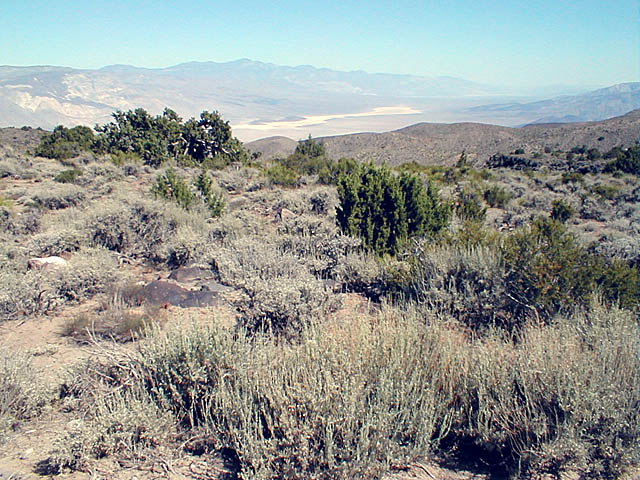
x: 439, y: 143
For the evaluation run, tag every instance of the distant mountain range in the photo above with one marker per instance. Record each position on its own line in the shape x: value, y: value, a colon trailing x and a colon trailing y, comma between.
x: 262, y: 99
x: 437, y: 143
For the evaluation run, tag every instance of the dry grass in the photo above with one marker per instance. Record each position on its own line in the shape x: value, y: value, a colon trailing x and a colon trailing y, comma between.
x: 350, y: 398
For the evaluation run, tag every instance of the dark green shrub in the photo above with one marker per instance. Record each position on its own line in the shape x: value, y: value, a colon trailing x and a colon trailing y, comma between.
x: 519, y: 151
x: 206, y: 141
x: 627, y: 161
x: 572, y: 177
x: 375, y: 206
x: 283, y: 176
x: 68, y: 176
x: 172, y: 187
x: 605, y: 192
x: 547, y: 271
x: 561, y: 211
x: 496, y: 196
x: 330, y: 173
x: 544, y: 265
x: 212, y: 198
x: 64, y: 143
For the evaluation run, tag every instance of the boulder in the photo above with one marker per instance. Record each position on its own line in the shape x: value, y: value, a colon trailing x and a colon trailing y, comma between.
x: 161, y: 292
x: 46, y: 263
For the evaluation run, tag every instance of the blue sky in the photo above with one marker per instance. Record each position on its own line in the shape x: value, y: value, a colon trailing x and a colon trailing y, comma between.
x: 514, y: 43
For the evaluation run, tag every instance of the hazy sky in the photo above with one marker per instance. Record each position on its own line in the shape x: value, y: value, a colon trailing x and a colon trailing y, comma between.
x: 514, y: 43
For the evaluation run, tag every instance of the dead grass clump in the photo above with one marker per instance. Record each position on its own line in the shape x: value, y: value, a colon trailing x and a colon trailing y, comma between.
x: 122, y: 315
x: 22, y: 394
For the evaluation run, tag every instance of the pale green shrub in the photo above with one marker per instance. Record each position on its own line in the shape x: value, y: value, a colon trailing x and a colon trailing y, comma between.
x: 22, y: 393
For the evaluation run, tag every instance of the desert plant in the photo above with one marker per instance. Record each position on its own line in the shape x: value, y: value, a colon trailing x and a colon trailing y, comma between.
x: 497, y: 196
x: 384, y: 210
x: 282, y: 175
x: 172, y: 187
x: 58, y: 196
x: 469, y: 206
x: 212, y: 198
x: 22, y: 393
x: 561, y: 211
x: 68, y: 176
x: 64, y: 143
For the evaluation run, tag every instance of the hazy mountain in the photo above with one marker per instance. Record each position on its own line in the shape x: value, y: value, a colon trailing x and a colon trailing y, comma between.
x: 262, y: 99
x: 590, y: 106
x: 434, y: 143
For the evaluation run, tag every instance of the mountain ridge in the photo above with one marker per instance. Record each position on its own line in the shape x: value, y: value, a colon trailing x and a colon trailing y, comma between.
x: 256, y: 96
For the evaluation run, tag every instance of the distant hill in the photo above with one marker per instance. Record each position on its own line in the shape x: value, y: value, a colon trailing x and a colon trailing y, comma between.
x: 586, y: 107
x: 434, y: 143
x: 263, y: 99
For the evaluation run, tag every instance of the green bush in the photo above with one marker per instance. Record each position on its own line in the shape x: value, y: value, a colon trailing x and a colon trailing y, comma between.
x: 572, y: 177
x: 496, y: 196
x: 469, y: 206
x: 206, y: 141
x: 548, y: 271
x: 561, y: 211
x: 172, y: 187
x: 627, y: 161
x: 282, y: 175
x: 68, y: 176
x: 65, y: 143
x: 606, y: 192
x: 212, y: 198
x: 331, y: 172
x: 384, y: 210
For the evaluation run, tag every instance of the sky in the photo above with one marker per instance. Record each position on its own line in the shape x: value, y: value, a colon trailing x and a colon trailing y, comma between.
x: 506, y: 43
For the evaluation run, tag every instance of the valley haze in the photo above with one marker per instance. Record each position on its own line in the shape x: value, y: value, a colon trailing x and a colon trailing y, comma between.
x: 263, y: 99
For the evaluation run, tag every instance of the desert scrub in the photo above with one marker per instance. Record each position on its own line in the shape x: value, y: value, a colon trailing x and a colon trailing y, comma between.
x: 88, y: 272
x: 279, y: 293
x: 56, y: 242
x: 209, y: 194
x: 25, y: 223
x: 317, y: 243
x: 54, y: 196
x: 345, y: 401
x: 351, y: 398
x: 465, y: 283
x: 22, y: 393
x: 68, y: 176
x: 126, y: 424
x: 135, y: 227
x: 564, y: 398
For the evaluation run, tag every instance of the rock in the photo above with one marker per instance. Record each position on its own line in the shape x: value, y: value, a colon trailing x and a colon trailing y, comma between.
x: 46, y: 263
x: 161, y: 292
x: 191, y: 274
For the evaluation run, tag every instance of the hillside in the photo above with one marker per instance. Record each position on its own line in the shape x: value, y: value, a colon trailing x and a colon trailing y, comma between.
x: 431, y: 143
x: 145, y: 335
